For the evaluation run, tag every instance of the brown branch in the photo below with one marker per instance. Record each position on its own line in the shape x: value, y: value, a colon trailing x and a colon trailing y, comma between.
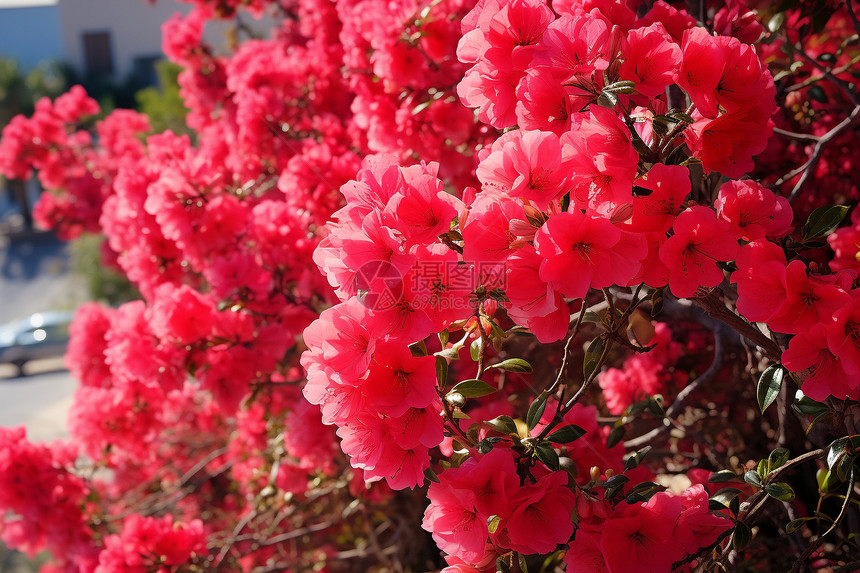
x: 841, y: 84
x: 678, y: 404
x: 761, y: 498
x: 713, y: 306
x: 817, y: 543
x: 853, y: 16
x: 818, y: 150
x: 814, y: 79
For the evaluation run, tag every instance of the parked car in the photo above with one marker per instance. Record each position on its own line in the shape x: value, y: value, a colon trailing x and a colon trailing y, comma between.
x: 41, y: 335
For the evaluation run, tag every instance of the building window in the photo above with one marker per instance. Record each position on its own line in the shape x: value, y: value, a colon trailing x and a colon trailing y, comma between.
x: 145, y: 72
x: 98, y: 59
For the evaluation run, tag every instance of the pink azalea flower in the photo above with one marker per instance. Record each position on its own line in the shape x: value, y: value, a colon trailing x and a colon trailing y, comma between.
x: 579, y: 253
x: 760, y: 280
x: 843, y: 336
x: 487, y: 232
x: 691, y: 254
x: 826, y: 376
x: 642, y: 540
x: 808, y: 300
x: 527, y: 165
x: 652, y: 59
x: 753, y: 211
x: 585, y: 554
x: 655, y: 212
x: 397, y: 381
x: 546, y: 507
x: 534, y: 302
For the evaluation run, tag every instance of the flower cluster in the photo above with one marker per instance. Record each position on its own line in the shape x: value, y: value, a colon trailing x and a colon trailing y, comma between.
x: 820, y: 309
x: 382, y: 207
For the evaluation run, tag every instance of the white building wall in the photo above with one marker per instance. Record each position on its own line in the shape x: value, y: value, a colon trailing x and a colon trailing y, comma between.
x: 134, y: 27
x: 33, y: 30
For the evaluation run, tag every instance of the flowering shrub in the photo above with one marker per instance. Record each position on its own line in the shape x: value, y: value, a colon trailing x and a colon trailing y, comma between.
x: 399, y: 230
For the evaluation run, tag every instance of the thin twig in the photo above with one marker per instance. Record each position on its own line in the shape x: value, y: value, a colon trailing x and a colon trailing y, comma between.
x: 818, y: 150
x: 814, y: 79
x: 817, y: 543
x: 839, y: 83
x: 678, y: 404
x: 713, y: 305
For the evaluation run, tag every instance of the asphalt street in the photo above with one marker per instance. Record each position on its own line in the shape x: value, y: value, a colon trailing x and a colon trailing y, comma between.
x: 34, y: 276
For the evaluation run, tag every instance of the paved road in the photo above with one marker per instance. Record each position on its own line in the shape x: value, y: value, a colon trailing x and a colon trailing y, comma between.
x: 39, y: 400
x: 34, y: 276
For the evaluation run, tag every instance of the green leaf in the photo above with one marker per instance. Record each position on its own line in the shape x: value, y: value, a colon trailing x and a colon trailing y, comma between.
x: 486, y: 445
x: 473, y: 432
x: 777, y: 459
x: 835, y: 451
x: 843, y: 468
x: 546, y: 454
x: 431, y: 475
x: 513, y: 365
x: 761, y: 469
x: 735, y: 506
x: 662, y: 124
x: 817, y: 93
x: 443, y: 337
x: 497, y: 333
x: 592, y: 356
x: 458, y: 415
x: 493, y: 523
x: 502, y: 566
x: 521, y: 559
x: 823, y: 221
x: 780, y: 490
x: 806, y: 406
x: 643, y: 492
x: 441, y: 371
x: 614, y: 485
x: 452, y: 353
x: 473, y: 388
x: 591, y: 316
x: 621, y: 87
x: 795, y: 524
x: 656, y: 302
x: 615, y: 436
x: 722, y: 476
x: 725, y: 496
x: 566, y: 434
x: 742, y: 535
x: 503, y: 424
x: 654, y: 404
x: 635, y: 459
x: 536, y: 410
x: 769, y: 385
x: 690, y: 161
x: 776, y: 21
x: 607, y: 100
x: 829, y: 481
x: 680, y: 116
x: 475, y: 348
x: 418, y: 349
x: 752, y: 478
